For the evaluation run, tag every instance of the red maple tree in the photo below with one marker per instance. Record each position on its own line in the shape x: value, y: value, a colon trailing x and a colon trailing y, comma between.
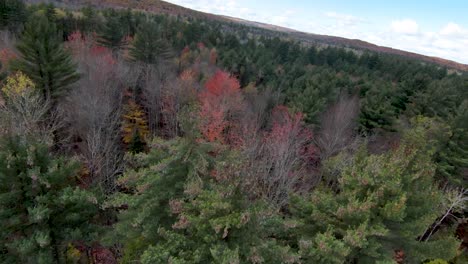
x: 221, y: 103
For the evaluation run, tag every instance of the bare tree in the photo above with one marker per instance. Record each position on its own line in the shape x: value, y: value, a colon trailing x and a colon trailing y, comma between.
x: 337, y: 126
x: 279, y: 159
x: 456, y: 202
x: 24, y: 112
x: 94, y: 109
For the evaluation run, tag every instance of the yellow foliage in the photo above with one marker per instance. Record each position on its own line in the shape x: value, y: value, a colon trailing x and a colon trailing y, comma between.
x: 59, y: 13
x: 73, y: 254
x: 17, y: 85
x: 134, y: 121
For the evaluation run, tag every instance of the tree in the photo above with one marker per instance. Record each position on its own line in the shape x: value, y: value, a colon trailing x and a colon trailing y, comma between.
x: 94, y: 110
x: 337, y: 126
x: 135, y: 127
x: 113, y: 33
x: 43, y: 58
x: 24, y: 111
x: 12, y: 14
x: 376, y: 109
x: 185, y: 204
x: 152, y: 181
x: 221, y: 105
x: 384, y: 203
x: 279, y: 162
x: 219, y: 226
x: 148, y: 45
x: 42, y: 212
x: 452, y: 156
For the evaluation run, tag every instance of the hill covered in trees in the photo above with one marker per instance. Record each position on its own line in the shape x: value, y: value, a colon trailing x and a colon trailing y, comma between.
x: 162, y: 7
x: 134, y: 137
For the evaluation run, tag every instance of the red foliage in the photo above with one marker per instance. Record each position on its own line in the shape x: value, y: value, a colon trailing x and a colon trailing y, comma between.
x: 288, y: 131
x: 222, y: 84
x: 75, y: 36
x: 96, y: 253
x: 81, y: 45
x: 6, y: 55
x: 102, y: 255
x: 201, y: 46
x: 220, y: 101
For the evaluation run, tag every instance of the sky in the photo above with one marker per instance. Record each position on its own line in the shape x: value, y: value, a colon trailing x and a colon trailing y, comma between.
x: 431, y: 27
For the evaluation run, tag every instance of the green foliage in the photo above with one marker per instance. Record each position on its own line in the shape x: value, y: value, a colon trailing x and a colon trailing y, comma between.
x: 158, y: 177
x: 148, y: 46
x: 384, y: 203
x: 177, y: 211
x: 12, y: 14
x: 218, y: 225
x: 41, y: 210
x: 315, y: 90
x: 377, y: 110
x: 112, y: 34
x: 183, y: 202
x: 43, y: 58
x: 136, y: 144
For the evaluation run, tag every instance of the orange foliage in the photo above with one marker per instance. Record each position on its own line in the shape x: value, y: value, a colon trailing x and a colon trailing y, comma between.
x: 221, y: 102
x: 134, y: 122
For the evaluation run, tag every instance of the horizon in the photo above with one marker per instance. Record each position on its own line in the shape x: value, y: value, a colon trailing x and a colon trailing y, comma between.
x: 432, y: 28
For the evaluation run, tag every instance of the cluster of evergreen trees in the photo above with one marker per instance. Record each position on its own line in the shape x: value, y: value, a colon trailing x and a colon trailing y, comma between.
x: 184, y: 197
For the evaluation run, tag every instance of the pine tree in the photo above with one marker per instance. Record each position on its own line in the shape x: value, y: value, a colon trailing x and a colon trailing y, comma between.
x: 452, y: 153
x: 43, y: 58
x: 41, y: 211
x: 155, y: 179
x: 149, y: 46
x: 384, y: 204
x: 136, y: 144
x: 182, y: 207
x: 219, y: 225
x: 113, y: 33
x: 377, y: 110
x: 12, y: 14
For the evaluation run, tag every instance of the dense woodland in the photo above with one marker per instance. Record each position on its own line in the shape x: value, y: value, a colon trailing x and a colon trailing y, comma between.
x: 129, y: 137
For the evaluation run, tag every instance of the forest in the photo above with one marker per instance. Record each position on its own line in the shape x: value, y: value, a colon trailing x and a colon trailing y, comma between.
x: 133, y: 137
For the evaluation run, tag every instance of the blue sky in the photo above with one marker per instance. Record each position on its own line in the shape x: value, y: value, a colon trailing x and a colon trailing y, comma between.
x: 432, y: 27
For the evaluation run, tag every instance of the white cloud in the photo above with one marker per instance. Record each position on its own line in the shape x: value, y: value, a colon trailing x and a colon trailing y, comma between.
x: 452, y: 29
x: 450, y: 41
x: 405, y: 26
x: 344, y: 19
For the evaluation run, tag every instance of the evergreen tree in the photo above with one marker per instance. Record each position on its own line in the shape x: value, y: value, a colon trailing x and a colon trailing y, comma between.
x: 219, y: 225
x: 43, y: 58
x: 41, y: 212
x: 113, y: 33
x: 148, y: 46
x: 137, y: 144
x: 377, y: 110
x: 384, y: 204
x: 182, y: 211
x: 12, y: 14
x: 162, y: 173
x: 452, y: 153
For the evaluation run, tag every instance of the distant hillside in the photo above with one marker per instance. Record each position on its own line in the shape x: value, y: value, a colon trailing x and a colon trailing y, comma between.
x: 162, y: 7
